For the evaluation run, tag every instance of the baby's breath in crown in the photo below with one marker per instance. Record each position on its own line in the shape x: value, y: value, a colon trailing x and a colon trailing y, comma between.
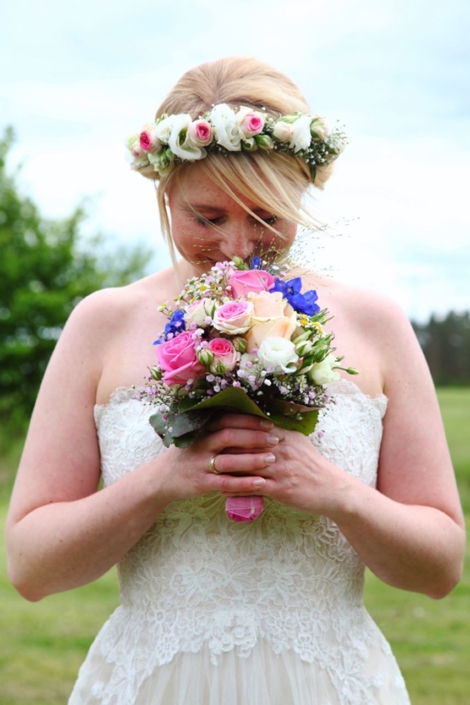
x: 173, y: 139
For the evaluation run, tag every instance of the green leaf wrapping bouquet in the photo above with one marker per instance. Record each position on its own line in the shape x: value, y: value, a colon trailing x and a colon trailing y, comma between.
x: 246, y: 340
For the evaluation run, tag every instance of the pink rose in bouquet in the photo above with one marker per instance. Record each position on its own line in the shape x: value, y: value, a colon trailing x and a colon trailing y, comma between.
x: 280, y: 327
x: 269, y: 304
x: 225, y: 356
x: 233, y: 317
x: 178, y: 361
x: 273, y: 317
x: 250, y: 280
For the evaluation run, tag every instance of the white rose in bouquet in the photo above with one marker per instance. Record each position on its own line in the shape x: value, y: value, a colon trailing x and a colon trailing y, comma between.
x: 278, y: 353
x: 324, y: 372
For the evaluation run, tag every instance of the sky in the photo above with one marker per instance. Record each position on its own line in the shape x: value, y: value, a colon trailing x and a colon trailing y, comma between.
x: 78, y: 78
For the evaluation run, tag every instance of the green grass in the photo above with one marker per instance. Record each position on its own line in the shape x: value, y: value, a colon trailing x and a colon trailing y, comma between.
x: 42, y: 645
x: 431, y: 639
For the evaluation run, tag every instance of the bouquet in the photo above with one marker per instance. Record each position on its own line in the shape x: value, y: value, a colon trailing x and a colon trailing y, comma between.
x: 245, y: 339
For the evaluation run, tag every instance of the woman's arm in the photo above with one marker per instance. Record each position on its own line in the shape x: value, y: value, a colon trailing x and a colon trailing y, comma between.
x: 411, y: 532
x: 58, y: 530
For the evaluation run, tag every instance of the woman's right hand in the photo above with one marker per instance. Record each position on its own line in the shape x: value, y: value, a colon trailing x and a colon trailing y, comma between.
x: 240, y: 444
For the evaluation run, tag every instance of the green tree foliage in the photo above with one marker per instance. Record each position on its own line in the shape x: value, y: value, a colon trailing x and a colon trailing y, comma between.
x: 446, y: 345
x: 45, y: 270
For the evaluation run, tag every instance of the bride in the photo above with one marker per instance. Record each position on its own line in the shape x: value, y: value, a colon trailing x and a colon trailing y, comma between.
x: 262, y: 613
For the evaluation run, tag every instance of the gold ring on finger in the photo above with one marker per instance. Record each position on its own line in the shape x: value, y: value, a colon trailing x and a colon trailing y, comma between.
x: 212, y: 467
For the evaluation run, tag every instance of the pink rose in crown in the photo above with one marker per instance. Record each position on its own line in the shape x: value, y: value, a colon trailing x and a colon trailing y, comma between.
x: 178, y: 361
x: 250, y: 280
x: 225, y: 355
x: 148, y: 140
x: 200, y: 133
x: 252, y: 124
x: 233, y: 317
x: 145, y: 141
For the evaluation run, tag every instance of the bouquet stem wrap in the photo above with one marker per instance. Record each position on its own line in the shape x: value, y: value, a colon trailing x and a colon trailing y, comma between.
x: 244, y: 508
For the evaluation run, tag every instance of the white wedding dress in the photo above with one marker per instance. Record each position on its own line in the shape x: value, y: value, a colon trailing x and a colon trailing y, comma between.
x: 216, y: 612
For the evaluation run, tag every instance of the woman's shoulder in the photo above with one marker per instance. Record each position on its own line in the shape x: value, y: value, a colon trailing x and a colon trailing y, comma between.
x: 113, y: 306
x: 363, y: 308
x: 371, y: 330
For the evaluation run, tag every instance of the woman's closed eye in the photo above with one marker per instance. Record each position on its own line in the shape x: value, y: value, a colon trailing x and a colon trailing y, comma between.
x: 220, y: 220
x: 270, y: 220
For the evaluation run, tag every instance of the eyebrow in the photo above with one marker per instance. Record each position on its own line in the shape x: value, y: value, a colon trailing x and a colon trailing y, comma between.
x: 204, y: 207
x: 199, y: 207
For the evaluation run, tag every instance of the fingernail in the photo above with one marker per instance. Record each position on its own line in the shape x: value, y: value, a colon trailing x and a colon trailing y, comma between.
x: 265, y: 423
x: 273, y: 440
x: 270, y: 458
x: 258, y: 482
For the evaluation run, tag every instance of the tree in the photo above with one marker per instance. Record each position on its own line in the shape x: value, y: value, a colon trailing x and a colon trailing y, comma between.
x: 446, y: 346
x: 45, y: 270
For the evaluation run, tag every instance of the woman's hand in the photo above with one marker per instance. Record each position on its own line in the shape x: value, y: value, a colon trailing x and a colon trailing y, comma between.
x: 243, y: 448
x: 299, y: 477
x: 252, y: 456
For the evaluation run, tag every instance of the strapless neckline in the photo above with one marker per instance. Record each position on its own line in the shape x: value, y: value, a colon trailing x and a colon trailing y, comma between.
x: 342, y: 386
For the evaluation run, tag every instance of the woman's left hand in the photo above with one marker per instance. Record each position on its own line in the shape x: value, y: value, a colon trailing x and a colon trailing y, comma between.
x: 300, y: 477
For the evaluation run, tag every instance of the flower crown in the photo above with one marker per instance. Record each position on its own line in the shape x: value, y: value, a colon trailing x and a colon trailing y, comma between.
x: 173, y: 139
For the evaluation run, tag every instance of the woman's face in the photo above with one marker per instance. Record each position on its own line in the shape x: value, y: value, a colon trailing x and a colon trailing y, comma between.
x: 208, y: 226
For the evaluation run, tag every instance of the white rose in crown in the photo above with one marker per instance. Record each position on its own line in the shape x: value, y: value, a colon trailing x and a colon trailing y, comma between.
x: 324, y: 372
x: 278, y: 353
x: 227, y: 130
x: 318, y: 128
x: 180, y: 142
x: 301, y: 136
x: 173, y: 131
x: 164, y: 128
x: 283, y: 131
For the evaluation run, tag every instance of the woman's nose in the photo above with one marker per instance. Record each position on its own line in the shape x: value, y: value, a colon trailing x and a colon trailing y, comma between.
x: 238, y: 242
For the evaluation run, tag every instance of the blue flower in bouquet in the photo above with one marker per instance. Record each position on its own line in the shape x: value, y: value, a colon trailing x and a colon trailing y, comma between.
x: 174, y: 326
x: 291, y: 290
x: 256, y: 263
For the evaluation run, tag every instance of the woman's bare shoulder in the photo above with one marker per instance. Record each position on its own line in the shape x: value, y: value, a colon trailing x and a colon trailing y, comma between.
x: 362, y: 309
x: 111, y: 307
x: 371, y: 330
x: 355, y: 298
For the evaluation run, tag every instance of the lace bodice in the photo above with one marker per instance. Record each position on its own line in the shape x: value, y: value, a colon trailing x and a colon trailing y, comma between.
x: 197, y: 579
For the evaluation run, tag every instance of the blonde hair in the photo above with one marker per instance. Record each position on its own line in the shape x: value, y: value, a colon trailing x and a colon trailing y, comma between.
x: 276, y: 182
